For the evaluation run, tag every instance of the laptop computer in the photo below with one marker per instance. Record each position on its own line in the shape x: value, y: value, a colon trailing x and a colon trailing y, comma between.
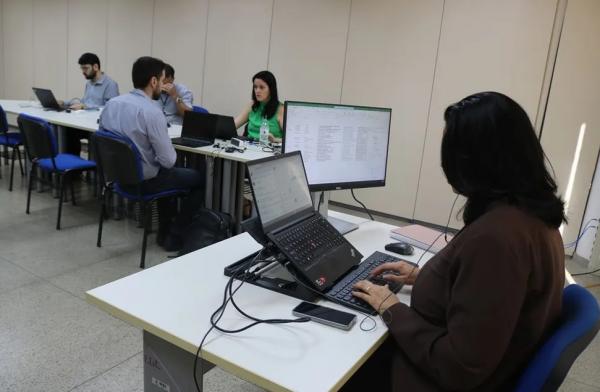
x: 225, y: 127
x: 197, y: 130
x: 319, y: 254
x: 47, y: 99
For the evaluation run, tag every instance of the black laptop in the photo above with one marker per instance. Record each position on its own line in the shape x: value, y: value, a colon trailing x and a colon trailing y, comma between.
x: 47, y: 99
x: 198, y: 130
x: 225, y: 127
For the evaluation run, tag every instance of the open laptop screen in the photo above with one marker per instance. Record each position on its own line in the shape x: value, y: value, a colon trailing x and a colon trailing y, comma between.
x: 198, y: 125
x: 280, y: 187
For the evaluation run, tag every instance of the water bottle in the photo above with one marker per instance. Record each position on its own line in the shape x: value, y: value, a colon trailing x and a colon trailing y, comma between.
x: 264, y: 132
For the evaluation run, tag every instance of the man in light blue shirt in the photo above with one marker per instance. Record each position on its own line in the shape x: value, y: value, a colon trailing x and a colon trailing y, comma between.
x: 135, y: 116
x: 99, y: 88
x: 175, y: 99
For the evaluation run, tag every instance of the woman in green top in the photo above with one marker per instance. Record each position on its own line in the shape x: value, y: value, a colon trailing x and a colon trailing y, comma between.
x: 265, y: 104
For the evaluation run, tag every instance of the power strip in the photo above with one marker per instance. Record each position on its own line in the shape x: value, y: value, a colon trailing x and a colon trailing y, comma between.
x: 595, y: 256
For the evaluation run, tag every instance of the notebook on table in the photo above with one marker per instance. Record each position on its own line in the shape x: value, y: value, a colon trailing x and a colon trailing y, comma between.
x: 197, y: 130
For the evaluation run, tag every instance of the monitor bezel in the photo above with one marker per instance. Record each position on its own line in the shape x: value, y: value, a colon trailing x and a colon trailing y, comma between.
x: 341, y: 185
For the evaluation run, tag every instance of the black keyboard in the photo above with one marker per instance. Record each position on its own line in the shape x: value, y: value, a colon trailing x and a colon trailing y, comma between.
x: 308, y: 240
x: 189, y: 142
x: 342, y: 291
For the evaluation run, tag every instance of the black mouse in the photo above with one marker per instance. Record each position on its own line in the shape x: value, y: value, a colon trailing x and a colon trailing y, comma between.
x: 68, y: 110
x: 230, y: 149
x: 402, y: 248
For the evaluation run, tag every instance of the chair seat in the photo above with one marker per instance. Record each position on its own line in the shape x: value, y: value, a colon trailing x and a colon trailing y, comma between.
x: 11, y: 139
x: 65, y: 162
x: 147, y: 196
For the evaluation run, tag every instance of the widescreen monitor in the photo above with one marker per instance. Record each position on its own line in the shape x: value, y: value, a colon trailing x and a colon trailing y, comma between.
x: 342, y: 146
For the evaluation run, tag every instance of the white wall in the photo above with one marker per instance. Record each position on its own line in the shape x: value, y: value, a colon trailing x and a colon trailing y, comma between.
x: 574, y: 100
x: 413, y: 56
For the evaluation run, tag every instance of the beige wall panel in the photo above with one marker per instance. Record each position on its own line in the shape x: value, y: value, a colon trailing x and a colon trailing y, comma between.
x: 485, y: 45
x: 50, y: 45
x: 390, y: 63
x: 88, y: 21
x: 308, y: 45
x: 129, y: 37
x: 574, y: 100
x: 2, y: 55
x: 178, y: 39
x: 237, y: 47
x: 17, y: 25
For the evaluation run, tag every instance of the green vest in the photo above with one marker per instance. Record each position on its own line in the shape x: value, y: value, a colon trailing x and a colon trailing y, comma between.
x: 255, y: 119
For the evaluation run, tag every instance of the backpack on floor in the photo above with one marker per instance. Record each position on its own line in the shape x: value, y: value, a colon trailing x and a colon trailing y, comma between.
x: 207, y: 227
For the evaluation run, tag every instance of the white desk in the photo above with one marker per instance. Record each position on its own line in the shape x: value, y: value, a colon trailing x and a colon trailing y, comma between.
x: 225, y: 177
x: 174, y: 301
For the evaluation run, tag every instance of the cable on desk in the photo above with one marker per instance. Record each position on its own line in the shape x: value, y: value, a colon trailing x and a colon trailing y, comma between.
x: 228, y: 293
x: 361, y: 203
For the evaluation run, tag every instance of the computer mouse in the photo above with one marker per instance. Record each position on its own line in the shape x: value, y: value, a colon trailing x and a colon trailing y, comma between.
x: 68, y: 110
x: 402, y: 248
x: 230, y: 149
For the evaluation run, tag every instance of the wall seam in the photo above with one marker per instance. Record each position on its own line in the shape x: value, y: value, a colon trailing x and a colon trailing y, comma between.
x: 435, y: 64
x: 270, y: 34
x: 152, y: 29
x: 67, y: 52
x: 346, y: 51
x: 204, y: 55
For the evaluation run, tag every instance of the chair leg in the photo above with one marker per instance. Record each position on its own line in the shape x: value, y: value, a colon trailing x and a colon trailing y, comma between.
x: 146, y: 216
x: 61, y: 187
x: 31, y: 174
x: 72, y: 191
x: 20, y: 161
x: 12, y: 169
x: 102, y: 214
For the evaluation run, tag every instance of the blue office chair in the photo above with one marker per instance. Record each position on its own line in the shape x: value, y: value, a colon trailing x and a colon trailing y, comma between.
x: 41, y: 147
x: 579, y: 323
x: 199, y: 109
x: 120, y: 170
x: 11, y: 140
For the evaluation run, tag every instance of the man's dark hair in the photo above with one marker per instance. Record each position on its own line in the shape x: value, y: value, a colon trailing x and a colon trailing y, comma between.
x: 144, y: 69
x: 490, y: 152
x: 169, y: 71
x: 89, y: 58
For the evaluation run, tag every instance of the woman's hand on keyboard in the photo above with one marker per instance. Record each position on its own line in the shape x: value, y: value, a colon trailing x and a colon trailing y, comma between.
x: 398, y: 271
x: 379, y: 297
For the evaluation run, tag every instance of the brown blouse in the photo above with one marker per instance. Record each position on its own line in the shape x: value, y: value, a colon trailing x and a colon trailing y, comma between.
x: 480, y: 307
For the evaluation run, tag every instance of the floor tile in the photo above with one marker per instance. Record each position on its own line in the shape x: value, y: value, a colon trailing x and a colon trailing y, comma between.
x: 217, y: 380
x: 80, y: 280
x: 126, y: 377
x: 570, y: 385
x: 53, y: 341
x: 12, y: 276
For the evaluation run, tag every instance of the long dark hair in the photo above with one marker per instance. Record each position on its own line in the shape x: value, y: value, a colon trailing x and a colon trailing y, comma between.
x: 490, y: 152
x: 273, y: 103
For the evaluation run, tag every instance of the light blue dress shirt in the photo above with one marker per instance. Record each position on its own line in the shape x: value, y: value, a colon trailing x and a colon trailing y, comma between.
x: 169, y: 106
x: 136, y: 116
x: 99, y: 92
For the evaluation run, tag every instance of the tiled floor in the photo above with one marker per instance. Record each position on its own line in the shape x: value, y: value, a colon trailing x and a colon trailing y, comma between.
x: 51, y: 339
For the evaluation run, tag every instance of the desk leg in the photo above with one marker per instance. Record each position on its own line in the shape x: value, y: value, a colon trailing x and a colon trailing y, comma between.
x: 210, y: 174
x: 168, y: 367
x: 226, y: 187
x: 239, y: 208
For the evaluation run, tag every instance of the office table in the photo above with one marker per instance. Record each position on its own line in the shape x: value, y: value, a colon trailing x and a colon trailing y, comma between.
x: 174, y: 300
x: 225, y: 171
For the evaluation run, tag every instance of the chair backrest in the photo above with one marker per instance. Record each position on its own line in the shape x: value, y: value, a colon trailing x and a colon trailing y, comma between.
x: 579, y: 323
x: 38, y: 137
x: 3, y: 121
x: 118, y: 158
x: 199, y: 109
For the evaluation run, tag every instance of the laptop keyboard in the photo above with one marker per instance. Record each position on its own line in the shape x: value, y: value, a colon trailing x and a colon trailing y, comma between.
x: 189, y: 142
x: 308, y: 240
x: 342, y: 291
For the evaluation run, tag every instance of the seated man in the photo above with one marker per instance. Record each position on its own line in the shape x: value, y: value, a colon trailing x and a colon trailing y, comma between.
x: 99, y: 88
x: 136, y: 117
x: 175, y: 99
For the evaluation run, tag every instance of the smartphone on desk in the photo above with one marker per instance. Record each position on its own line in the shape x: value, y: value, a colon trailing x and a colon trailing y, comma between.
x: 324, y: 315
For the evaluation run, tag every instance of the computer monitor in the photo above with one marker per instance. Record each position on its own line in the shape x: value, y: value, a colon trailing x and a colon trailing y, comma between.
x: 343, y: 146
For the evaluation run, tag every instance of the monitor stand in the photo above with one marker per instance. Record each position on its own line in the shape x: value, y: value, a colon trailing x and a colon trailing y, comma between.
x: 341, y: 225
